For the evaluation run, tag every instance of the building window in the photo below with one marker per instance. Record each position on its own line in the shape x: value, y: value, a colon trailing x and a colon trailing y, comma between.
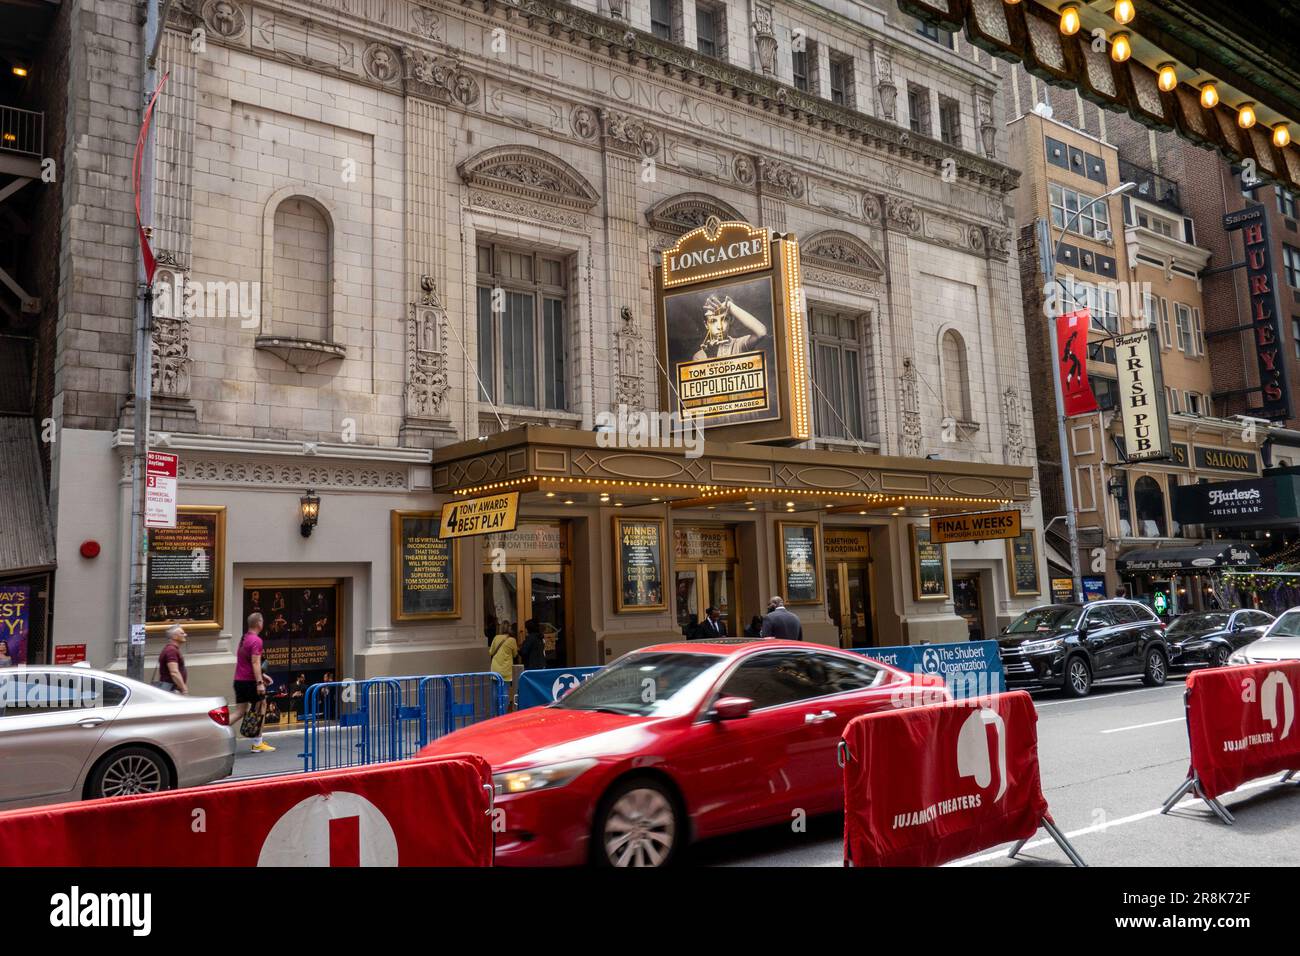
x: 837, y: 372
x: 841, y: 78
x: 956, y: 377
x: 1193, y: 403
x: 1164, y: 227
x: 1295, y: 335
x: 1183, y: 326
x: 1101, y: 352
x: 1149, y: 502
x: 1066, y: 204
x: 1198, y: 333
x: 661, y: 18
x: 522, y: 327
x: 1291, y: 263
x: 932, y: 32
x: 1102, y: 303
x: 799, y: 66
x: 1105, y: 390
x: 918, y: 109
x: 710, y: 32
x: 1285, y: 202
x: 1166, y: 341
x: 950, y: 121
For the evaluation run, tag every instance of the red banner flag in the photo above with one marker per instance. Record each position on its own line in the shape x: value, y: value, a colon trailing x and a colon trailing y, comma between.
x: 146, y: 251
x: 1072, y: 362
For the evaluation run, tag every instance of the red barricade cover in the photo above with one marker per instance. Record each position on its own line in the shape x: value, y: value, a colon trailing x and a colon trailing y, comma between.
x: 1243, y: 724
x: 421, y: 812
x: 930, y: 784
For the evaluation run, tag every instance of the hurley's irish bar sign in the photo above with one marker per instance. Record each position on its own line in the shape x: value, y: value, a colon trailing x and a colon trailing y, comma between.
x: 732, y: 330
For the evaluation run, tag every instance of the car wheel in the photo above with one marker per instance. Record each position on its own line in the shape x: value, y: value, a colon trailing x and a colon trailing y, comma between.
x: 1078, y: 677
x: 638, y: 825
x: 1221, y: 655
x: 130, y: 770
x: 1157, y: 668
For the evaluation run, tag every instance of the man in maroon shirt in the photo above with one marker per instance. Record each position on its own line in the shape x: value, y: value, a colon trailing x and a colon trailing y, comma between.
x: 172, y: 673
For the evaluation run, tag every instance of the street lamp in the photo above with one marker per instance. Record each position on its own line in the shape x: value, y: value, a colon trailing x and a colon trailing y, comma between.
x: 1067, y: 483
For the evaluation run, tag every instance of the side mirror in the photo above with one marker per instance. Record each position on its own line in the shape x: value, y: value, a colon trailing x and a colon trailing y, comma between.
x: 732, y: 708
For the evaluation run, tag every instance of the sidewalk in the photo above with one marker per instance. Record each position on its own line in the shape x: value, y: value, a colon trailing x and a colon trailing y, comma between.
x: 287, y: 744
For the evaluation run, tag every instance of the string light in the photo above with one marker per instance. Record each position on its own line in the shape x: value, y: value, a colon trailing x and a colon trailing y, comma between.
x: 1281, y: 135
x: 1120, y: 48
x: 1070, y: 20
x: 1167, y: 77
x: 1246, y: 115
x: 1209, y: 96
x: 1124, y: 12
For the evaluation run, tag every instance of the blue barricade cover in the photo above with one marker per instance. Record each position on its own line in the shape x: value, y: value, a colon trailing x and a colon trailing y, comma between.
x: 539, y: 687
x: 969, y: 668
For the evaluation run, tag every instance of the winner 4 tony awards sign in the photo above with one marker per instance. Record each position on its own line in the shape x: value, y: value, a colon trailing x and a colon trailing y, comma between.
x: 731, y: 330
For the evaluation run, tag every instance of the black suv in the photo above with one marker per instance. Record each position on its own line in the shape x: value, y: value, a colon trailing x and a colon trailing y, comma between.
x: 1070, y: 645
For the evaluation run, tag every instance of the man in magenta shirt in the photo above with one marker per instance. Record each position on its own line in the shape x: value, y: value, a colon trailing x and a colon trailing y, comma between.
x: 250, y: 687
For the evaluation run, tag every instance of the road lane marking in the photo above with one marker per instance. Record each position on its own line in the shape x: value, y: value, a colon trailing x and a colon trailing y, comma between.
x: 1269, y: 781
x: 1106, y: 697
x: 1154, y: 723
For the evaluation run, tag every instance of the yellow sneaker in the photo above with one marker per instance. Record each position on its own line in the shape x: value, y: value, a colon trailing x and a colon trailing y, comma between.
x: 263, y: 748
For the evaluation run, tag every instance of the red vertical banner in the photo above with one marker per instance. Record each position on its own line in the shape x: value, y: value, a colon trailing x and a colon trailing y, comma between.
x: 1072, y: 362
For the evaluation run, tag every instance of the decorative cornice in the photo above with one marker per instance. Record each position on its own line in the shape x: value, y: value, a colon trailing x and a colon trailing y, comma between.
x: 529, y: 173
x: 840, y: 251
x: 682, y: 213
x: 261, y: 447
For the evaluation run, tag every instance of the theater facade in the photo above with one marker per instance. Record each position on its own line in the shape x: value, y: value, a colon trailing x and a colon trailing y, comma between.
x: 455, y: 224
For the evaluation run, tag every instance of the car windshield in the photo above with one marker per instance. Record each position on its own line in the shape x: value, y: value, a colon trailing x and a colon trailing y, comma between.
x: 1288, y: 625
x: 1198, y: 624
x: 642, y: 685
x: 1046, y: 620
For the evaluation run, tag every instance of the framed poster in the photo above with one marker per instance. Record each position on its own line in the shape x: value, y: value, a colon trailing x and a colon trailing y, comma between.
x: 186, y: 570
x: 424, y: 567
x: 1022, y: 565
x: 800, y: 567
x: 639, y: 548
x: 929, y: 566
x: 301, y: 629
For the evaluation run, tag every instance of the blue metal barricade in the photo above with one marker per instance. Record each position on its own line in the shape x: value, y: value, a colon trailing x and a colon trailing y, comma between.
x: 353, y: 723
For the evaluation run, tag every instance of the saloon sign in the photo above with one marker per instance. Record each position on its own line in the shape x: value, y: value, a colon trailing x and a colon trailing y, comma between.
x: 1263, y: 311
x: 1141, y: 397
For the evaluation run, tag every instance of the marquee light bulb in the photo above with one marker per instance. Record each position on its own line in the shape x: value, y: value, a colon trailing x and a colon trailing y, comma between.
x: 1281, y: 135
x: 1246, y: 115
x: 1120, y: 48
x: 1167, y: 78
x: 1124, y: 12
x: 1070, y: 20
x: 1209, y: 96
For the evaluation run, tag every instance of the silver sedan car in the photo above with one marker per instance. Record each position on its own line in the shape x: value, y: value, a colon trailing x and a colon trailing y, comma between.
x: 72, y: 733
x: 1281, y: 642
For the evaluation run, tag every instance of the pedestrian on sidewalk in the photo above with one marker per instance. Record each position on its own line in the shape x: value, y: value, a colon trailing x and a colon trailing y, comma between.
x: 250, y: 684
x: 532, y: 654
x: 502, y: 653
x: 781, y: 622
x: 173, y: 675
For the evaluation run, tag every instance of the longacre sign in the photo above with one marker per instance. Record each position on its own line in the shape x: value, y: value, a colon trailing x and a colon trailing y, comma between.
x: 981, y: 526
x: 729, y: 249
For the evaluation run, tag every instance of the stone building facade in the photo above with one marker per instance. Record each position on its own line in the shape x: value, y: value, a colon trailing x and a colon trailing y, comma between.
x: 389, y: 228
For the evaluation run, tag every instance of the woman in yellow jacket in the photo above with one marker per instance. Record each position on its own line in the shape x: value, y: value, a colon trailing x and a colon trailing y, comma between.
x: 502, y: 651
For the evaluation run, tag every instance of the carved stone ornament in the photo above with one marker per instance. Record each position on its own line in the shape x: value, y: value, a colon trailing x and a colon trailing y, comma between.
x: 426, y: 23
x: 224, y: 18
x: 764, y: 39
x: 531, y: 173
x: 630, y: 387
x: 885, y: 87
x: 910, y: 393
x: 381, y: 63
x: 629, y: 134
x: 840, y: 252
x: 744, y: 171
x: 584, y: 122
x: 426, y: 355
x: 682, y: 213
x: 871, y: 209
x: 170, y: 369
x: 1015, y: 435
x: 999, y: 241
x: 782, y: 176
x: 438, y: 78
x: 901, y: 212
x: 618, y: 9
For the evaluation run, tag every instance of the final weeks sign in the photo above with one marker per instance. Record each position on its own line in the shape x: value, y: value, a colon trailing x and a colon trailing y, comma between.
x: 488, y: 514
x: 979, y: 526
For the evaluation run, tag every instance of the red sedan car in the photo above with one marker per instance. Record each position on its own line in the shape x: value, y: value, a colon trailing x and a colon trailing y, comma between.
x: 678, y: 742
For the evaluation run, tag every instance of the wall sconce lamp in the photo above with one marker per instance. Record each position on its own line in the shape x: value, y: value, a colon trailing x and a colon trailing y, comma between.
x: 309, y: 510
x: 1116, y: 486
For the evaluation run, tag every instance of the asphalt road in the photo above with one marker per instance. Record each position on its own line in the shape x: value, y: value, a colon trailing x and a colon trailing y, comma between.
x: 1108, y: 762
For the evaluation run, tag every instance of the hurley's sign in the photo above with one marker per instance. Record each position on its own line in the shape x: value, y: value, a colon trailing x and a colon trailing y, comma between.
x: 1141, y: 397
x: 982, y: 526
x: 1263, y: 311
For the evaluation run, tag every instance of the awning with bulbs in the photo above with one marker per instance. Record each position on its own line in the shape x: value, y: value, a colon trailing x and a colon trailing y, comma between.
x: 1221, y: 72
x: 563, y: 466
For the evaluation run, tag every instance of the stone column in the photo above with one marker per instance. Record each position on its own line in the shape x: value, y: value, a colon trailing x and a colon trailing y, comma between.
x: 901, y: 220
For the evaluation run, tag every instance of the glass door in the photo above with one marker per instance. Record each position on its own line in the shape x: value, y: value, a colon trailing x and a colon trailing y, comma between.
x: 966, y: 602
x: 545, y: 604
x: 722, y: 595
x: 688, y: 601
x: 858, y: 606
x: 835, y: 605
x: 501, y: 603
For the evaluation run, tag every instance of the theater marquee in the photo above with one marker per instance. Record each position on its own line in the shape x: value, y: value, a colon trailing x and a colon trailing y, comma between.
x: 732, y: 333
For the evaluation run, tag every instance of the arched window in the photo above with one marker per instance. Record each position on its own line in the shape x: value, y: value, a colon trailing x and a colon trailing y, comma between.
x: 1149, y: 502
x: 956, y: 377
x: 300, y: 294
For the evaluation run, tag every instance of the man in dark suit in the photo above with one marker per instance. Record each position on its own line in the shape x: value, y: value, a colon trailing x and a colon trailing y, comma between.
x: 712, y: 627
x: 781, y: 623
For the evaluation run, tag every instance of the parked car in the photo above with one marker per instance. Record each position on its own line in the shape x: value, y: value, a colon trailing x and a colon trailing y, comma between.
x: 677, y: 742
x: 72, y: 733
x: 1071, y: 646
x: 1281, y: 642
x: 1210, y: 638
